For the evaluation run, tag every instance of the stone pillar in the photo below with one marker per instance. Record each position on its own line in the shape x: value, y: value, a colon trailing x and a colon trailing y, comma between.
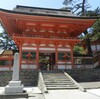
x: 15, y: 75
x: 15, y: 85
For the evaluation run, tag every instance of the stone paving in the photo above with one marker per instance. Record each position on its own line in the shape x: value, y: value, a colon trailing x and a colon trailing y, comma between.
x: 35, y: 93
x: 90, y: 85
x: 71, y: 94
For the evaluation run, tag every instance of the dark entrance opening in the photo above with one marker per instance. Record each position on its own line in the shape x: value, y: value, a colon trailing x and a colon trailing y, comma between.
x: 46, y: 61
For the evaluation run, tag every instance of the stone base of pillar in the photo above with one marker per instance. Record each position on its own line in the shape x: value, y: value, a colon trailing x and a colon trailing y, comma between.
x: 14, y: 87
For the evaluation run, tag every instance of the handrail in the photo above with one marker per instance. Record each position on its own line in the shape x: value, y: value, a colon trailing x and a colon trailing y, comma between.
x: 80, y: 87
x: 96, y: 53
x: 92, y: 57
x: 42, y: 82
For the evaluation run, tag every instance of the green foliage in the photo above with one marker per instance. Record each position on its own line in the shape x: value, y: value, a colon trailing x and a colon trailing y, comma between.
x: 96, y: 12
x: 95, y: 35
x: 43, y: 59
x: 81, y: 9
x: 7, y: 42
x: 78, y: 50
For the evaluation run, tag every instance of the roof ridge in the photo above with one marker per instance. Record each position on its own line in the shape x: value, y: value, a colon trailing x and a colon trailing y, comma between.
x: 17, y: 6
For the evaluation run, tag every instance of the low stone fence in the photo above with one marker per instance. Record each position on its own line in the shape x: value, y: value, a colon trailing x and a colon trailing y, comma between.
x: 28, y: 77
x: 84, y: 75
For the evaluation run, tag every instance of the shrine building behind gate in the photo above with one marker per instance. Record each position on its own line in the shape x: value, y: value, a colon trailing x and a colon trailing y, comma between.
x: 45, y: 37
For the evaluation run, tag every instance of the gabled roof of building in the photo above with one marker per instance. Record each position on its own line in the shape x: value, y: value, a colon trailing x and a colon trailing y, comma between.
x: 6, y: 52
x: 1, y: 51
x: 44, y: 22
x: 37, y: 11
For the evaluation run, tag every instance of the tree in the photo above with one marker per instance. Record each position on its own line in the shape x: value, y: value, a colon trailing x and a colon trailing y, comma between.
x: 83, y: 6
x: 6, y: 42
x: 76, y: 6
x: 96, y: 27
x: 78, y: 50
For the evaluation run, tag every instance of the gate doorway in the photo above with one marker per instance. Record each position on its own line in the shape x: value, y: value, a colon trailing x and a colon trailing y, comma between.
x: 46, y: 61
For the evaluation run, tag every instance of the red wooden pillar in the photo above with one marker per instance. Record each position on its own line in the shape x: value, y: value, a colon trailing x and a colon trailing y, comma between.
x: 72, y: 57
x: 37, y: 42
x: 56, y: 53
x: 56, y: 56
x: 37, y: 56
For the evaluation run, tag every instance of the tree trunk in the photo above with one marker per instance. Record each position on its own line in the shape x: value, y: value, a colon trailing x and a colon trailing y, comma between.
x: 83, y: 7
x: 88, y: 44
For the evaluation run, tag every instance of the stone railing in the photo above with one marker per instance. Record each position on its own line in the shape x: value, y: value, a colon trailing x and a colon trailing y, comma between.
x: 87, y: 61
x: 78, y: 85
x: 41, y: 83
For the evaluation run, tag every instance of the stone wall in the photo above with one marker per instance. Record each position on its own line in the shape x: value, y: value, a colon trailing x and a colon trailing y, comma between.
x: 28, y: 77
x: 5, y: 76
x: 85, y: 75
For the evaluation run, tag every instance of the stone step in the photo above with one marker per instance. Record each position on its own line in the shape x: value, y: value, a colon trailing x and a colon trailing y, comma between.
x: 54, y: 76
x: 59, y: 83
x: 57, y: 80
x: 57, y: 75
x: 61, y: 88
x: 52, y: 71
x: 54, y: 82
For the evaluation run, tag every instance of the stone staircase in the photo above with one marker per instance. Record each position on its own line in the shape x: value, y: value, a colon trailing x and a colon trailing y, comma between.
x: 57, y: 80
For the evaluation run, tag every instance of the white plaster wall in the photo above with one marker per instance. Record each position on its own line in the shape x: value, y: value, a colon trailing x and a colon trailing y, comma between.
x: 89, y: 66
x: 64, y: 62
x: 47, y: 49
x: 79, y: 66
x: 84, y: 66
x: 98, y: 47
x: 5, y: 68
x: 28, y: 48
x: 25, y: 66
x: 63, y: 67
x: 94, y: 48
x: 63, y: 49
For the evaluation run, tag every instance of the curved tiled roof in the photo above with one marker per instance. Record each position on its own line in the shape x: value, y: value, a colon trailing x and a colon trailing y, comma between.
x: 43, y: 11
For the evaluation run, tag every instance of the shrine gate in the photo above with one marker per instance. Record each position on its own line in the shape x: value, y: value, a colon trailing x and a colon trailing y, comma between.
x: 45, y: 37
